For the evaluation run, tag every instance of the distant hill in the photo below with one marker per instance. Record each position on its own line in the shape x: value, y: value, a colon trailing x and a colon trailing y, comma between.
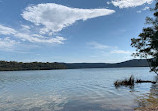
x: 16, y: 66
x: 130, y: 63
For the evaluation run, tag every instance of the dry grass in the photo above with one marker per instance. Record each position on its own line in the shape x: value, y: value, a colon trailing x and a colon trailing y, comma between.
x: 150, y: 104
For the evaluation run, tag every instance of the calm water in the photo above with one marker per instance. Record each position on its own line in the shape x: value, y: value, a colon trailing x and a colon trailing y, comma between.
x: 72, y: 90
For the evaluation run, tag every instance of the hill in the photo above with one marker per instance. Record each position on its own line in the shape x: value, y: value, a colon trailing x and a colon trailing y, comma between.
x: 16, y: 66
x: 130, y: 63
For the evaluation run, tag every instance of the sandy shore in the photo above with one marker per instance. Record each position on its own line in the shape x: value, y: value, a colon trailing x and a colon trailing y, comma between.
x: 151, y: 108
x: 148, y: 104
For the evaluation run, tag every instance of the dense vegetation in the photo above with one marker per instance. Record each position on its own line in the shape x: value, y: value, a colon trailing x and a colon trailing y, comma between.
x: 14, y: 66
x: 147, y: 43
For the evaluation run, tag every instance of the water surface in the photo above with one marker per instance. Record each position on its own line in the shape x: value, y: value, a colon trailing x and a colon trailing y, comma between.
x: 72, y: 90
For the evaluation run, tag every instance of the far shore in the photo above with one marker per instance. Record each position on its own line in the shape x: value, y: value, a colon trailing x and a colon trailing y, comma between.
x: 21, y: 66
x: 71, y: 68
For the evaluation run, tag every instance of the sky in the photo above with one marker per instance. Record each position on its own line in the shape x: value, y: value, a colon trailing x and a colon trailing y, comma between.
x: 71, y: 30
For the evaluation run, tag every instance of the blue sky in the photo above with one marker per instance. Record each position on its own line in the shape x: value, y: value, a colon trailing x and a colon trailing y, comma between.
x: 70, y: 30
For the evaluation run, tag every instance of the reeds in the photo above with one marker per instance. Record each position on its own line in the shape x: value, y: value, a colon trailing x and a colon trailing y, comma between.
x: 125, y: 82
x: 130, y: 82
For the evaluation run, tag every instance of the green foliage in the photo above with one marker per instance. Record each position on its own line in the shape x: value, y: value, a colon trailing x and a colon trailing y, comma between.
x: 147, y: 43
x: 15, y: 66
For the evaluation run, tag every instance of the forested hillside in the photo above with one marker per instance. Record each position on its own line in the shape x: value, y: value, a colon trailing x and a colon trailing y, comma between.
x: 14, y: 66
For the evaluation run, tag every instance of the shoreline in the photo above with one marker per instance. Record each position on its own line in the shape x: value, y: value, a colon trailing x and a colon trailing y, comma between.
x: 71, y: 69
x: 149, y: 108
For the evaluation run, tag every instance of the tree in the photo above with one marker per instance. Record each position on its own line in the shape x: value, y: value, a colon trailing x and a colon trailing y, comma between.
x: 147, y: 42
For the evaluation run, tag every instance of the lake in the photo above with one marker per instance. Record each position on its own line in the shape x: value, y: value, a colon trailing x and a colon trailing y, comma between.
x: 72, y: 90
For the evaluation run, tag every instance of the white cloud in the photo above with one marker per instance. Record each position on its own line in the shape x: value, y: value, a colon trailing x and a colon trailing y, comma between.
x: 121, y: 52
x: 97, y: 45
x: 25, y: 27
x: 7, y: 43
x: 40, y: 39
x: 108, y: 2
x: 139, y: 11
x: 130, y: 3
x: 6, y: 30
x: 47, y: 19
x: 53, y: 17
x: 145, y: 8
x: 35, y: 38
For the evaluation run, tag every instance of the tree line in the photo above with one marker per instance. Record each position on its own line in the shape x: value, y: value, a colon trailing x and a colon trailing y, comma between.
x: 16, y: 66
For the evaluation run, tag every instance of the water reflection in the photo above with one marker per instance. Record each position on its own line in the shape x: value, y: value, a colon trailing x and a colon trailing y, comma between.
x: 71, y: 90
x: 36, y: 103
